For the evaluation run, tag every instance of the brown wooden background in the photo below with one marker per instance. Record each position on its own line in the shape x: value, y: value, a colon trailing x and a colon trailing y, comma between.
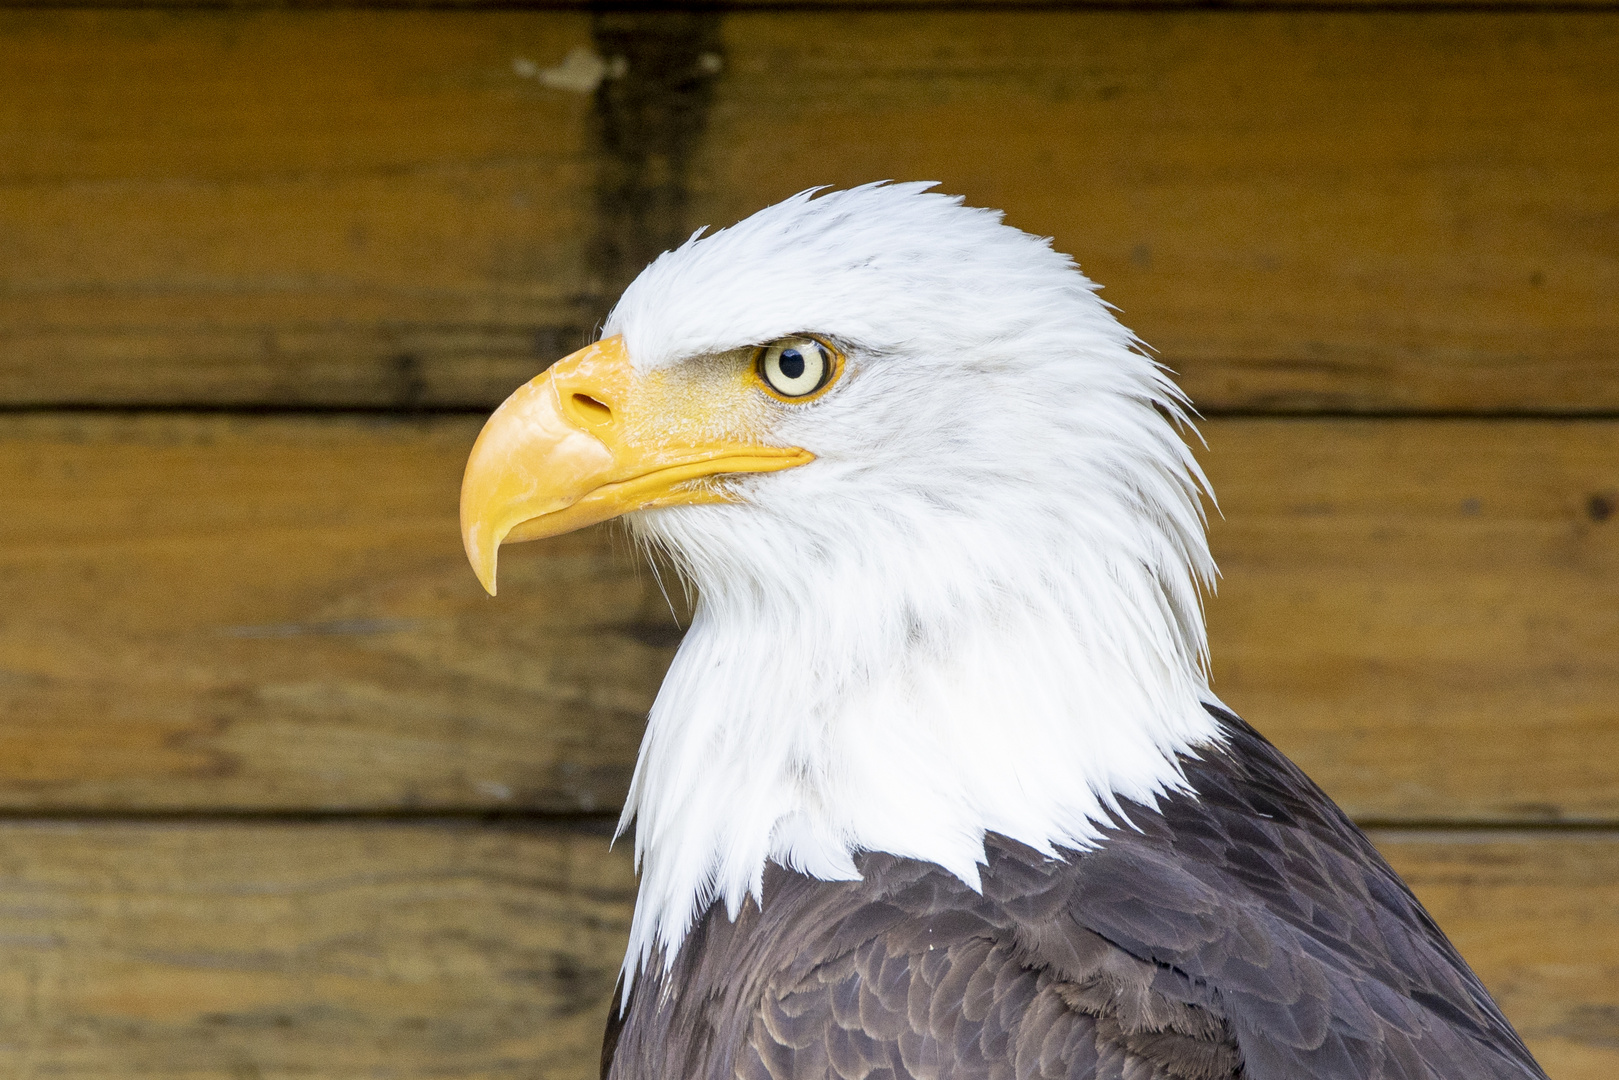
x: 282, y: 794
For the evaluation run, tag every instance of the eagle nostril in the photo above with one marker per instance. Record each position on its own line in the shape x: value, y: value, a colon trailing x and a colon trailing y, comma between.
x: 590, y: 410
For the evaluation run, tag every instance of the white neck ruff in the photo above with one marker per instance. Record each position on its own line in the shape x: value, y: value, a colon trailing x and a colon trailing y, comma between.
x: 807, y: 726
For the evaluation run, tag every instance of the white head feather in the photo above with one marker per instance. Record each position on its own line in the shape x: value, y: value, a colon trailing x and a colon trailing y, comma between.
x: 977, y: 610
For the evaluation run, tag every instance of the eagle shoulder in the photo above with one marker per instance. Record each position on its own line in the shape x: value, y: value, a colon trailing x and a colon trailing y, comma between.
x: 1242, y: 928
x: 925, y: 981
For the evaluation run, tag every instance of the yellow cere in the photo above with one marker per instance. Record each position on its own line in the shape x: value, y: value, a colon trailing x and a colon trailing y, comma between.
x: 592, y: 439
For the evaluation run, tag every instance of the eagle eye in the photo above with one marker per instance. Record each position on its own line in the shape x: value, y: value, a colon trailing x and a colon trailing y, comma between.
x: 796, y: 367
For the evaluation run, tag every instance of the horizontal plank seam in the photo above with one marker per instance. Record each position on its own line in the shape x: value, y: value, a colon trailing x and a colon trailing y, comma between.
x: 1487, y: 825
x: 605, y: 822
x: 1531, y: 414
x: 240, y: 409
x: 462, y: 411
x: 592, y: 821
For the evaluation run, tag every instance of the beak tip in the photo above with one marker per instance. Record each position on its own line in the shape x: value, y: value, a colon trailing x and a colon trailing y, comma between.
x: 486, y: 576
x: 482, y: 557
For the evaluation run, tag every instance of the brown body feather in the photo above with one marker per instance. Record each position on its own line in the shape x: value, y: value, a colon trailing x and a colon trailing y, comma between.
x: 1244, y: 928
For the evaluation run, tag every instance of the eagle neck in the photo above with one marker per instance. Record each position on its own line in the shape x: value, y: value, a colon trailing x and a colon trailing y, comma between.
x: 805, y: 722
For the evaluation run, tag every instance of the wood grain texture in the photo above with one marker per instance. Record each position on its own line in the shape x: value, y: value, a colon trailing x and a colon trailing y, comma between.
x: 205, y: 612
x: 205, y: 951
x: 1302, y: 210
x: 225, y: 613
x: 289, y: 207
x: 320, y: 951
x: 1425, y: 614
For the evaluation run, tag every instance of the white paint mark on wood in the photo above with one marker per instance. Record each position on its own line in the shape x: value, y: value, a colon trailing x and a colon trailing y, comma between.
x: 580, y: 72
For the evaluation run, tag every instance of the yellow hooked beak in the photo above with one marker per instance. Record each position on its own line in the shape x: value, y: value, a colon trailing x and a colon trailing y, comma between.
x: 591, y: 439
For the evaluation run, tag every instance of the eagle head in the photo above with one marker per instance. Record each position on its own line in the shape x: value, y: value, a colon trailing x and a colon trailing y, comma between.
x: 945, y: 534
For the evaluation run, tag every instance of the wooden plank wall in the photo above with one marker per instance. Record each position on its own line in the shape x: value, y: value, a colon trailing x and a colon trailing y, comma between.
x: 282, y: 794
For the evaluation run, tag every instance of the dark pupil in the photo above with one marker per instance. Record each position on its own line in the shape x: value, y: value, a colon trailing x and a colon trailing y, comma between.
x: 792, y: 363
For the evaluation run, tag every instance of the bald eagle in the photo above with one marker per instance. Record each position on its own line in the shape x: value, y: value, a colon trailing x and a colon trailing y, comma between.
x: 936, y: 786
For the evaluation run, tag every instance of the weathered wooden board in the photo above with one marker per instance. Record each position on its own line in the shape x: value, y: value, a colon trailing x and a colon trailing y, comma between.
x: 206, y: 612
x: 1425, y: 614
x: 198, y: 951
x: 201, y: 951
x: 289, y: 207
x: 214, y: 612
x: 1304, y: 210
x: 1300, y: 210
